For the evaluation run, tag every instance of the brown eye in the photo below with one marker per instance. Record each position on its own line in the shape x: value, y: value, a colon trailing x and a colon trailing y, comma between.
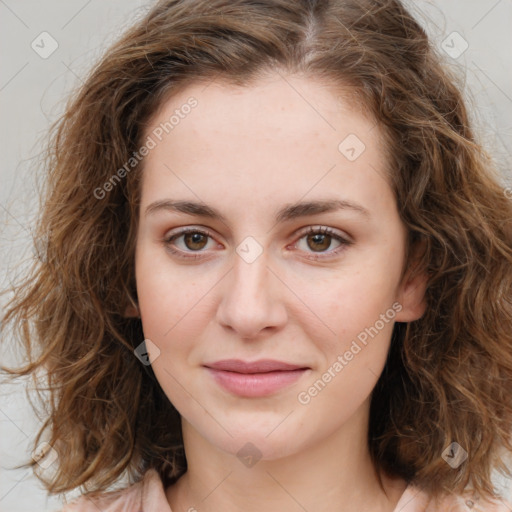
x: 195, y: 240
x: 189, y: 240
x: 319, y: 241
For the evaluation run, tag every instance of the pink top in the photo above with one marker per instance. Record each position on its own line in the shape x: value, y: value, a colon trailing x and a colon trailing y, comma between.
x: 148, y: 495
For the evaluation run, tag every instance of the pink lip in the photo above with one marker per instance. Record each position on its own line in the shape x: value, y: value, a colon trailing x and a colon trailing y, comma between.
x: 259, y: 378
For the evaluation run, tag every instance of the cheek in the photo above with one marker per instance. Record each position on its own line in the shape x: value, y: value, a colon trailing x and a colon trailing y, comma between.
x: 166, y: 297
x: 357, y: 306
x: 170, y: 306
x: 175, y: 308
x: 354, y: 358
x: 354, y: 301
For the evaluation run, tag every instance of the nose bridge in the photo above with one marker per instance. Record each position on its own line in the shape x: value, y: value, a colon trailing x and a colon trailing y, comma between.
x: 250, y: 278
x: 249, y: 301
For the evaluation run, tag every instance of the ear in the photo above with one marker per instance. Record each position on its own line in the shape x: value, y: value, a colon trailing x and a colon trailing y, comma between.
x: 132, y: 310
x: 411, y: 292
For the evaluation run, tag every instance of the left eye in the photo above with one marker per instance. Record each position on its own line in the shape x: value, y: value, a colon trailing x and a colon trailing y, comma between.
x: 320, y: 239
x: 317, y: 239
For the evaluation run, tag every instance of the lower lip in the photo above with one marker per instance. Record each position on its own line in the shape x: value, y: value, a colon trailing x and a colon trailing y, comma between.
x: 256, y: 384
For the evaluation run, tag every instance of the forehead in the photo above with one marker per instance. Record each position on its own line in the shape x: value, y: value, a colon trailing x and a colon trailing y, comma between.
x: 283, y: 134
x: 272, y: 96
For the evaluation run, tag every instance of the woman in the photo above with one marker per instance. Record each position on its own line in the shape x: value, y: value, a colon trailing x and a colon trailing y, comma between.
x: 277, y: 271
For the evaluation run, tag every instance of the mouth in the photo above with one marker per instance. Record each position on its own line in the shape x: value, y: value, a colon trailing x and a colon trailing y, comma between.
x: 256, y: 379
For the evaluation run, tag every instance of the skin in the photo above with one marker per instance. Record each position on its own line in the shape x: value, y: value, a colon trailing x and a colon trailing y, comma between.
x: 247, y: 152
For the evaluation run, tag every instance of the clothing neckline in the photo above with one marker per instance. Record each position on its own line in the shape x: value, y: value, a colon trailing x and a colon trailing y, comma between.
x: 154, y: 497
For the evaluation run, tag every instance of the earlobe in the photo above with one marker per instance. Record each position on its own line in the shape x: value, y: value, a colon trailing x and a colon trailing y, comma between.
x: 412, y: 299
x: 412, y: 291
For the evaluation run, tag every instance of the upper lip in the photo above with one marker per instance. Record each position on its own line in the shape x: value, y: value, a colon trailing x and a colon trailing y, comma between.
x: 261, y: 366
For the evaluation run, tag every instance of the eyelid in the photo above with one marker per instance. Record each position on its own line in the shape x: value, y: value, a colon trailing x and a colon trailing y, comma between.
x: 325, y: 229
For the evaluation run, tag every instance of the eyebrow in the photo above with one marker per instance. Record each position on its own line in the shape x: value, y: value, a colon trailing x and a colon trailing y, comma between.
x: 287, y: 213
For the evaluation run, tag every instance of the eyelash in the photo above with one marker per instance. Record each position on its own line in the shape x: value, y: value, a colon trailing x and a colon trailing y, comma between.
x: 310, y: 231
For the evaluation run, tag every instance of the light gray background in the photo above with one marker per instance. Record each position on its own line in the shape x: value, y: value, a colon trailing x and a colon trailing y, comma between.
x: 33, y: 92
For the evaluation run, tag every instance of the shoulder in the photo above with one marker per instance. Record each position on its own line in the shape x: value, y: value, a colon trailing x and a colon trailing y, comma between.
x: 415, y: 499
x: 144, y: 496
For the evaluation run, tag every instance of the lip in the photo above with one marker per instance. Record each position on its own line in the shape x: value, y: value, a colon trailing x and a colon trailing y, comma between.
x: 254, y: 379
x: 260, y: 366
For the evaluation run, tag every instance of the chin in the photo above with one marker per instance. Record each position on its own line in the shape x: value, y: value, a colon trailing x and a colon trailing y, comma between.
x: 257, y: 444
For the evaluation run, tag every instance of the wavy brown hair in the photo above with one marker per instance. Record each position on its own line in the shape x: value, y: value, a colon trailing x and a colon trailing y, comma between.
x: 448, y: 376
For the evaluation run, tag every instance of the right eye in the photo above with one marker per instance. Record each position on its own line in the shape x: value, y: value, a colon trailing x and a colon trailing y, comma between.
x: 194, y: 241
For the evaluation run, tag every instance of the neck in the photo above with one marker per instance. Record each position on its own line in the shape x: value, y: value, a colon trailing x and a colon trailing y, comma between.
x: 333, y: 474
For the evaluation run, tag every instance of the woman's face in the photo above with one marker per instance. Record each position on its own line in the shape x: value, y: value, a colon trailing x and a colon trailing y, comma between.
x: 250, y: 171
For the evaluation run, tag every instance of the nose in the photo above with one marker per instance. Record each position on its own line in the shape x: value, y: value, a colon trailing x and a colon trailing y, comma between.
x: 252, y: 299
